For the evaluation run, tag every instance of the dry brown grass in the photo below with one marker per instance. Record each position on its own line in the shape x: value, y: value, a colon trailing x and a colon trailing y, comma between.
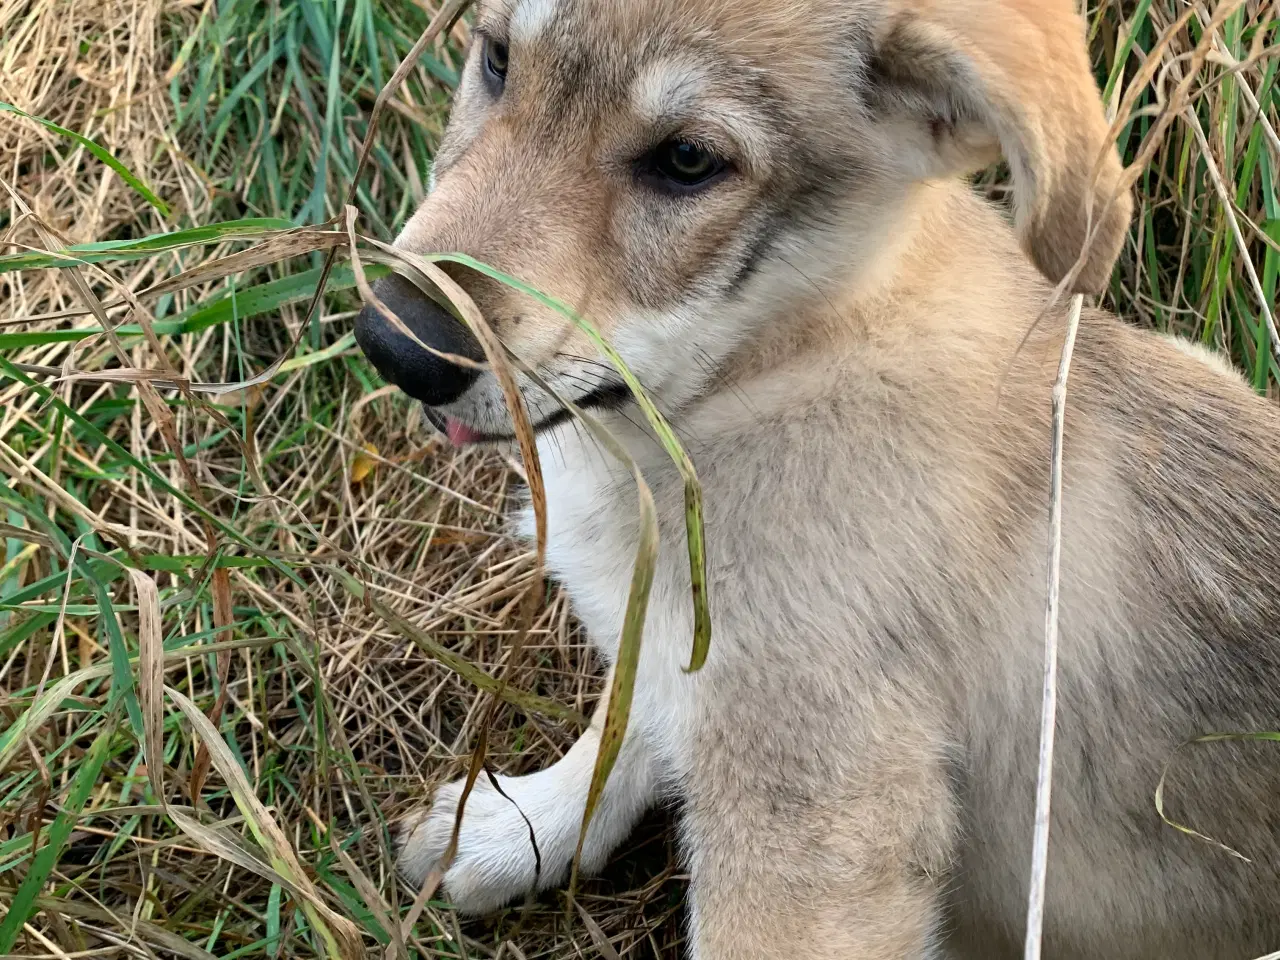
x: 97, y: 67
x: 340, y: 720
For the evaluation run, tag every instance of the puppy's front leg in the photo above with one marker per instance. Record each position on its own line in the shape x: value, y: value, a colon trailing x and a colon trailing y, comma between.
x: 495, y: 862
x: 826, y: 844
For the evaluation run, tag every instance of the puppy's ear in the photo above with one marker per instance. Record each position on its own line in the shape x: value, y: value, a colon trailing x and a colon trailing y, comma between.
x: 1012, y: 77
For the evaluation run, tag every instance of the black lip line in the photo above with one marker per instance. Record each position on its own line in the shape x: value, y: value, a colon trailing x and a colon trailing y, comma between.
x: 607, y: 395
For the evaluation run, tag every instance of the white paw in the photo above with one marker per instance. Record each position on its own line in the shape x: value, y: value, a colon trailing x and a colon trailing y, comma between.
x: 495, y: 863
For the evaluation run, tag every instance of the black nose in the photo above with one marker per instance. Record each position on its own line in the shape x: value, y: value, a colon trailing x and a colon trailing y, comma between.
x: 422, y: 375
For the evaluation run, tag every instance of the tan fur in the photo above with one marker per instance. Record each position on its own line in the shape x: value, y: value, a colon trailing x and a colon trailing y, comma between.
x: 839, y: 332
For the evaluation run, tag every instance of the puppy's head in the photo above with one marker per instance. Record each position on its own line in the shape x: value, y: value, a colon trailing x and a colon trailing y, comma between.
x: 684, y: 172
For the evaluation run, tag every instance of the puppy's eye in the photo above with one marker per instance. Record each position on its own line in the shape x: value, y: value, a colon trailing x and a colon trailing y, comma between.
x: 495, y: 60
x: 684, y: 165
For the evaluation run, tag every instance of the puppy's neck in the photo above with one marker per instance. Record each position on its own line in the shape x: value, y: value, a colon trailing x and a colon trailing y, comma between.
x: 948, y: 289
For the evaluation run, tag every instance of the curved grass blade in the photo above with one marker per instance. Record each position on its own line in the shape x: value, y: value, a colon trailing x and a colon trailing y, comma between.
x: 623, y: 683
x: 666, y: 435
x: 618, y: 712
x: 1164, y: 775
x: 271, y: 249
x: 338, y: 934
x: 104, y: 251
x: 125, y: 173
x: 429, y: 276
x: 34, y: 716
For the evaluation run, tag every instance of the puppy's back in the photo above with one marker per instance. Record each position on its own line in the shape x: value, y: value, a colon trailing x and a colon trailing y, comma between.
x: 1170, y: 618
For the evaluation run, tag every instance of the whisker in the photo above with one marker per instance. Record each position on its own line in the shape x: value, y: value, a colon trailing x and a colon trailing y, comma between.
x: 729, y: 383
x: 621, y: 411
x: 818, y: 289
x: 681, y: 434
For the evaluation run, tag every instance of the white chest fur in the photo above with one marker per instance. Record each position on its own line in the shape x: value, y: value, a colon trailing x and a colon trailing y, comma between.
x: 593, y: 525
x: 592, y: 531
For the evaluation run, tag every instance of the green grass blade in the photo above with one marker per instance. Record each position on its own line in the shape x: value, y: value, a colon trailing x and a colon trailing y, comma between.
x: 24, y: 901
x: 233, y: 98
x: 250, y: 228
x: 225, y: 308
x: 125, y: 173
x: 1122, y: 55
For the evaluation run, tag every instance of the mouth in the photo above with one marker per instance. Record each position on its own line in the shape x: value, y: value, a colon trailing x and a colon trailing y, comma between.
x: 458, y: 433
x: 462, y: 434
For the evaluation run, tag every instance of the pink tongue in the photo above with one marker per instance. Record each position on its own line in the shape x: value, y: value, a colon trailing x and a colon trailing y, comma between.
x: 459, y: 433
